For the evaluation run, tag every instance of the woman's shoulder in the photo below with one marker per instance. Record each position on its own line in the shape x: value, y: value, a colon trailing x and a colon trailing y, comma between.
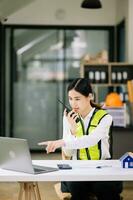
x: 102, y: 112
x: 107, y: 118
x: 104, y: 116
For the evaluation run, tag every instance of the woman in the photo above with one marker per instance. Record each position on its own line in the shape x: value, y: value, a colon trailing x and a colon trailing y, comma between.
x: 86, y: 135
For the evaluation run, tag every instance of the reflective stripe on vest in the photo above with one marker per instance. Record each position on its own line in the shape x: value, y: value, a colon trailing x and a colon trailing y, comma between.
x: 92, y: 152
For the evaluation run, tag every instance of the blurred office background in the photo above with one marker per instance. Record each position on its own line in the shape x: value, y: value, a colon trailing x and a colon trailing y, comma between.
x: 42, y: 46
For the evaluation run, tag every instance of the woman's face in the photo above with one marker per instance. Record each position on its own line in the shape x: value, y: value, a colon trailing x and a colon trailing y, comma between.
x: 78, y: 102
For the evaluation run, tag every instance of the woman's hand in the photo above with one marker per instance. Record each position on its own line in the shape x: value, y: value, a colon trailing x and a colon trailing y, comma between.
x: 71, y: 117
x: 51, y: 146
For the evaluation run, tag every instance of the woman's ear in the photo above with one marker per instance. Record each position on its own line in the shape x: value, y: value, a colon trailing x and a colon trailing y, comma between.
x: 91, y: 96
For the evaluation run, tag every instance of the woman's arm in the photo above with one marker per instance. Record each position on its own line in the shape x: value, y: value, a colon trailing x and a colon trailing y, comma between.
x: 100, y: 132
x: 67, y: 153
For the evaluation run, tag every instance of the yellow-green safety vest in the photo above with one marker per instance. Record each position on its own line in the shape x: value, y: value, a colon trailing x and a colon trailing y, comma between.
x: 93, y: 152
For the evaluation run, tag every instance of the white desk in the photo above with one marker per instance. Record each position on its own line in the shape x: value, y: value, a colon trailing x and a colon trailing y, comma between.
x: 81, y: 171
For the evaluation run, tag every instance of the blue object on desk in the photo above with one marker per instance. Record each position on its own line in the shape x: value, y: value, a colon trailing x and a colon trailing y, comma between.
x: 127, y: 160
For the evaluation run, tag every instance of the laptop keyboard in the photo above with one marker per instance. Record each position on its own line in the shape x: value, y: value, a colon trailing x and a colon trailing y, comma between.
x: 43, y: 169
x: 39, y: 170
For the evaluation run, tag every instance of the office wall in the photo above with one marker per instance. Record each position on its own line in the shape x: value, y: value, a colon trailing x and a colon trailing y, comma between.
x: 124, y: 11
x: 130, y: 32
x: 65, y: 12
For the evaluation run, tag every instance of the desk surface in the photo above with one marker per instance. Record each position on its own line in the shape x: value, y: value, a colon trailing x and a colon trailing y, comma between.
x: 81, y: 171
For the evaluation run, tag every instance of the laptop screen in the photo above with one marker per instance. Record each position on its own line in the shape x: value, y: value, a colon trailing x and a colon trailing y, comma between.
x: 15, y: 155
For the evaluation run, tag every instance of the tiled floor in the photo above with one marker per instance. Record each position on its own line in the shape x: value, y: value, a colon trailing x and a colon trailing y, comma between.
x: 9, y: 191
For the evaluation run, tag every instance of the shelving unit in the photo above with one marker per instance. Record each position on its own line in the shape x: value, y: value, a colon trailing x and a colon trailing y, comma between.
x: 110, y: 73
x: 109, y: 77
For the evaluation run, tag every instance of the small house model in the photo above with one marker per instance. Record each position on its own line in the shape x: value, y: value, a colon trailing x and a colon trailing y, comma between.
x: 127, y: 160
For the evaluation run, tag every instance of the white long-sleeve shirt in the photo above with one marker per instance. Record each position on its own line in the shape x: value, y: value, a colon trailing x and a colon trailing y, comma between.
x: 101, y: 132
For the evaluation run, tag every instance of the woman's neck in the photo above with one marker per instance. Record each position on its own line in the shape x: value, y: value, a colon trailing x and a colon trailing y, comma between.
x: 86, y: 112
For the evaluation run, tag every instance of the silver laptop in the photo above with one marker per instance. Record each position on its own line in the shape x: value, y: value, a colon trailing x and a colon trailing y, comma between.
x: 15, y: 155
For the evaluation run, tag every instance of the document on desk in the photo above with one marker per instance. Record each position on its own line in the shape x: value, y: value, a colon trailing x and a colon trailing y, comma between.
x: 94, y: 167
x: 97, y: 164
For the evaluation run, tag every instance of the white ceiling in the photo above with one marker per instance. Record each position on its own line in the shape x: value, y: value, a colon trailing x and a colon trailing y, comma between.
x: 57, y: 12
x: 8, y: 7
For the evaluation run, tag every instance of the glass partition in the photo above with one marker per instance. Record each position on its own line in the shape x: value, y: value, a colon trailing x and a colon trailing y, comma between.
x: 43, y: 62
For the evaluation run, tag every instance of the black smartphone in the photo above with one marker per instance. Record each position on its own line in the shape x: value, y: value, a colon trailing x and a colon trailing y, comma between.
x: 64, y: 166
x: 68, y: 110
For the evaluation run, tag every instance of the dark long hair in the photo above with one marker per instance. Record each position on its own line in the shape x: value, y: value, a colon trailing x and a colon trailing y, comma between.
x: 83, y: 86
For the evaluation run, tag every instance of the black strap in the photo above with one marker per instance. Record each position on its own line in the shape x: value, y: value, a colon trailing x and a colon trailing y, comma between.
x: 87, y: 133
